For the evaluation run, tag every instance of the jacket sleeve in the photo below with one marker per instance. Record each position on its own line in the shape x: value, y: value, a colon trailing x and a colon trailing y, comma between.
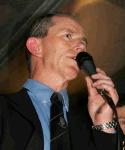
x: 104, y: 141
x: 1, y: 117
x: 85, y: 138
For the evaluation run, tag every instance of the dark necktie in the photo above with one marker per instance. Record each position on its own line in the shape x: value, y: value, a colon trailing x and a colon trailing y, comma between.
x: 59, y: 133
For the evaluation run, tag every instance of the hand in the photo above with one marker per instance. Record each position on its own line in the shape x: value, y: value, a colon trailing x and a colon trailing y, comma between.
x: 100, y: 112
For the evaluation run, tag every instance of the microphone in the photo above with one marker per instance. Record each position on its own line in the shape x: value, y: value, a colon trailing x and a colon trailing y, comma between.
x: 86, y: 63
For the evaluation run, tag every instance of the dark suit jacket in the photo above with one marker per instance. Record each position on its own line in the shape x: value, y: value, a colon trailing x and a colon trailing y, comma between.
x: 20, y: 128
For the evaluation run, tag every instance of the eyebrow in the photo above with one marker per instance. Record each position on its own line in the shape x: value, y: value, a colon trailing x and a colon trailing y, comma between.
x: 68, y: 30
x: 85, y: 40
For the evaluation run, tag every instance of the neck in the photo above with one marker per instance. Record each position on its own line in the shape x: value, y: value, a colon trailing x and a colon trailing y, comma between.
x: 51, y: 79
x: 52, y: 82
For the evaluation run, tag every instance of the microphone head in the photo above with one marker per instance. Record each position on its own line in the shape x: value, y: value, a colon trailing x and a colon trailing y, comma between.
x: 86, y: 63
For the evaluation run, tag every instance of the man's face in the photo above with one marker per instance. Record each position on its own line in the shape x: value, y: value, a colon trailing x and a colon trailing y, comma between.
x: 121, y: 116
x: 65, y: 39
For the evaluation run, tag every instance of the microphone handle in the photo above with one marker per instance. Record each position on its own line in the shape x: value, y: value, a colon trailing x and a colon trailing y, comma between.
x: 107, y: 98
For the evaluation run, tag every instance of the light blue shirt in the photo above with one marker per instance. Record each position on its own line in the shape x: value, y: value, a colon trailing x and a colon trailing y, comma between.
x: 40, y: 96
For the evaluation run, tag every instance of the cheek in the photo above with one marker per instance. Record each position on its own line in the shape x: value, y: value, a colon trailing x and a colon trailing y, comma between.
x: 123, y: 128
x: 56, y: 49
x: 61, y: 42
x: 122, y: 124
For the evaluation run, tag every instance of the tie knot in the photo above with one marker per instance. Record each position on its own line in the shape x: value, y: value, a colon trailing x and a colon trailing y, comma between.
x: 56, y: 98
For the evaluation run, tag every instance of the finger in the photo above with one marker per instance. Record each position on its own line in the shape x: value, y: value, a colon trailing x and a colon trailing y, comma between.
x: 100, y: 71
x: 106, y: 81
x: 100, y: 76
x: 112, y: 92
x: 91, y: 90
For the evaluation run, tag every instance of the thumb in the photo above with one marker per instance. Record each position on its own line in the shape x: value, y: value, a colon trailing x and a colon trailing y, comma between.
x: 91, y: 89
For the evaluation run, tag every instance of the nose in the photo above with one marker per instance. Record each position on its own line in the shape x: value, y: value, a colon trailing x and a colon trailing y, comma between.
x: 80, y: 46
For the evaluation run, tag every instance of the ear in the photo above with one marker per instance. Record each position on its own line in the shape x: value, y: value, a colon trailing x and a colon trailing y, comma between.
x: 33, y: 45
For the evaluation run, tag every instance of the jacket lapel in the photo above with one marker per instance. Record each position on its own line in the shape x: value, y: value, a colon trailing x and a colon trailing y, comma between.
x: 22, y: 104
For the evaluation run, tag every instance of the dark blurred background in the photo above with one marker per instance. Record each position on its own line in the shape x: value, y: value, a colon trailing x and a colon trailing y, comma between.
x: 103, y: 20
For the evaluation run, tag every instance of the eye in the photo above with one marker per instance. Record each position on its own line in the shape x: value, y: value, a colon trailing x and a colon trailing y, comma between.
x: 68, y: 36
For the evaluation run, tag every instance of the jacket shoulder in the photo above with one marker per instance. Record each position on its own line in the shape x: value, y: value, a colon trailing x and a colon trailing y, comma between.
x: 7, y: 98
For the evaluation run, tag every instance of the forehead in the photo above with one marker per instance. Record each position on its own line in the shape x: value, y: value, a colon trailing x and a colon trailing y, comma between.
x: 61, y: 22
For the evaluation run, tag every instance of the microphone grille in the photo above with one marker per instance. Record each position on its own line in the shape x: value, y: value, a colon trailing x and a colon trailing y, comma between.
x: 85, y: 62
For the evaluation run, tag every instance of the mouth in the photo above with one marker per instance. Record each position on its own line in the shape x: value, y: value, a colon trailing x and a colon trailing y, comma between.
x: 74, y: 58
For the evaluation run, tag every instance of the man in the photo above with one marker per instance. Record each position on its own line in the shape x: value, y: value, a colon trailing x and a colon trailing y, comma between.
x: 121, y: 111
x: 121, y: 118
x: 53, y: 44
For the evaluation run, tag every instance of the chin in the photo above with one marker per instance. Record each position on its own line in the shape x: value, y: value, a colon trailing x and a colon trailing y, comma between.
x: 72, y: 75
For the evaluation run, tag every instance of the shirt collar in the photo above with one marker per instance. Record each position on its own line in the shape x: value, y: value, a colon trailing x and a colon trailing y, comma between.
x: 35, y: 87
